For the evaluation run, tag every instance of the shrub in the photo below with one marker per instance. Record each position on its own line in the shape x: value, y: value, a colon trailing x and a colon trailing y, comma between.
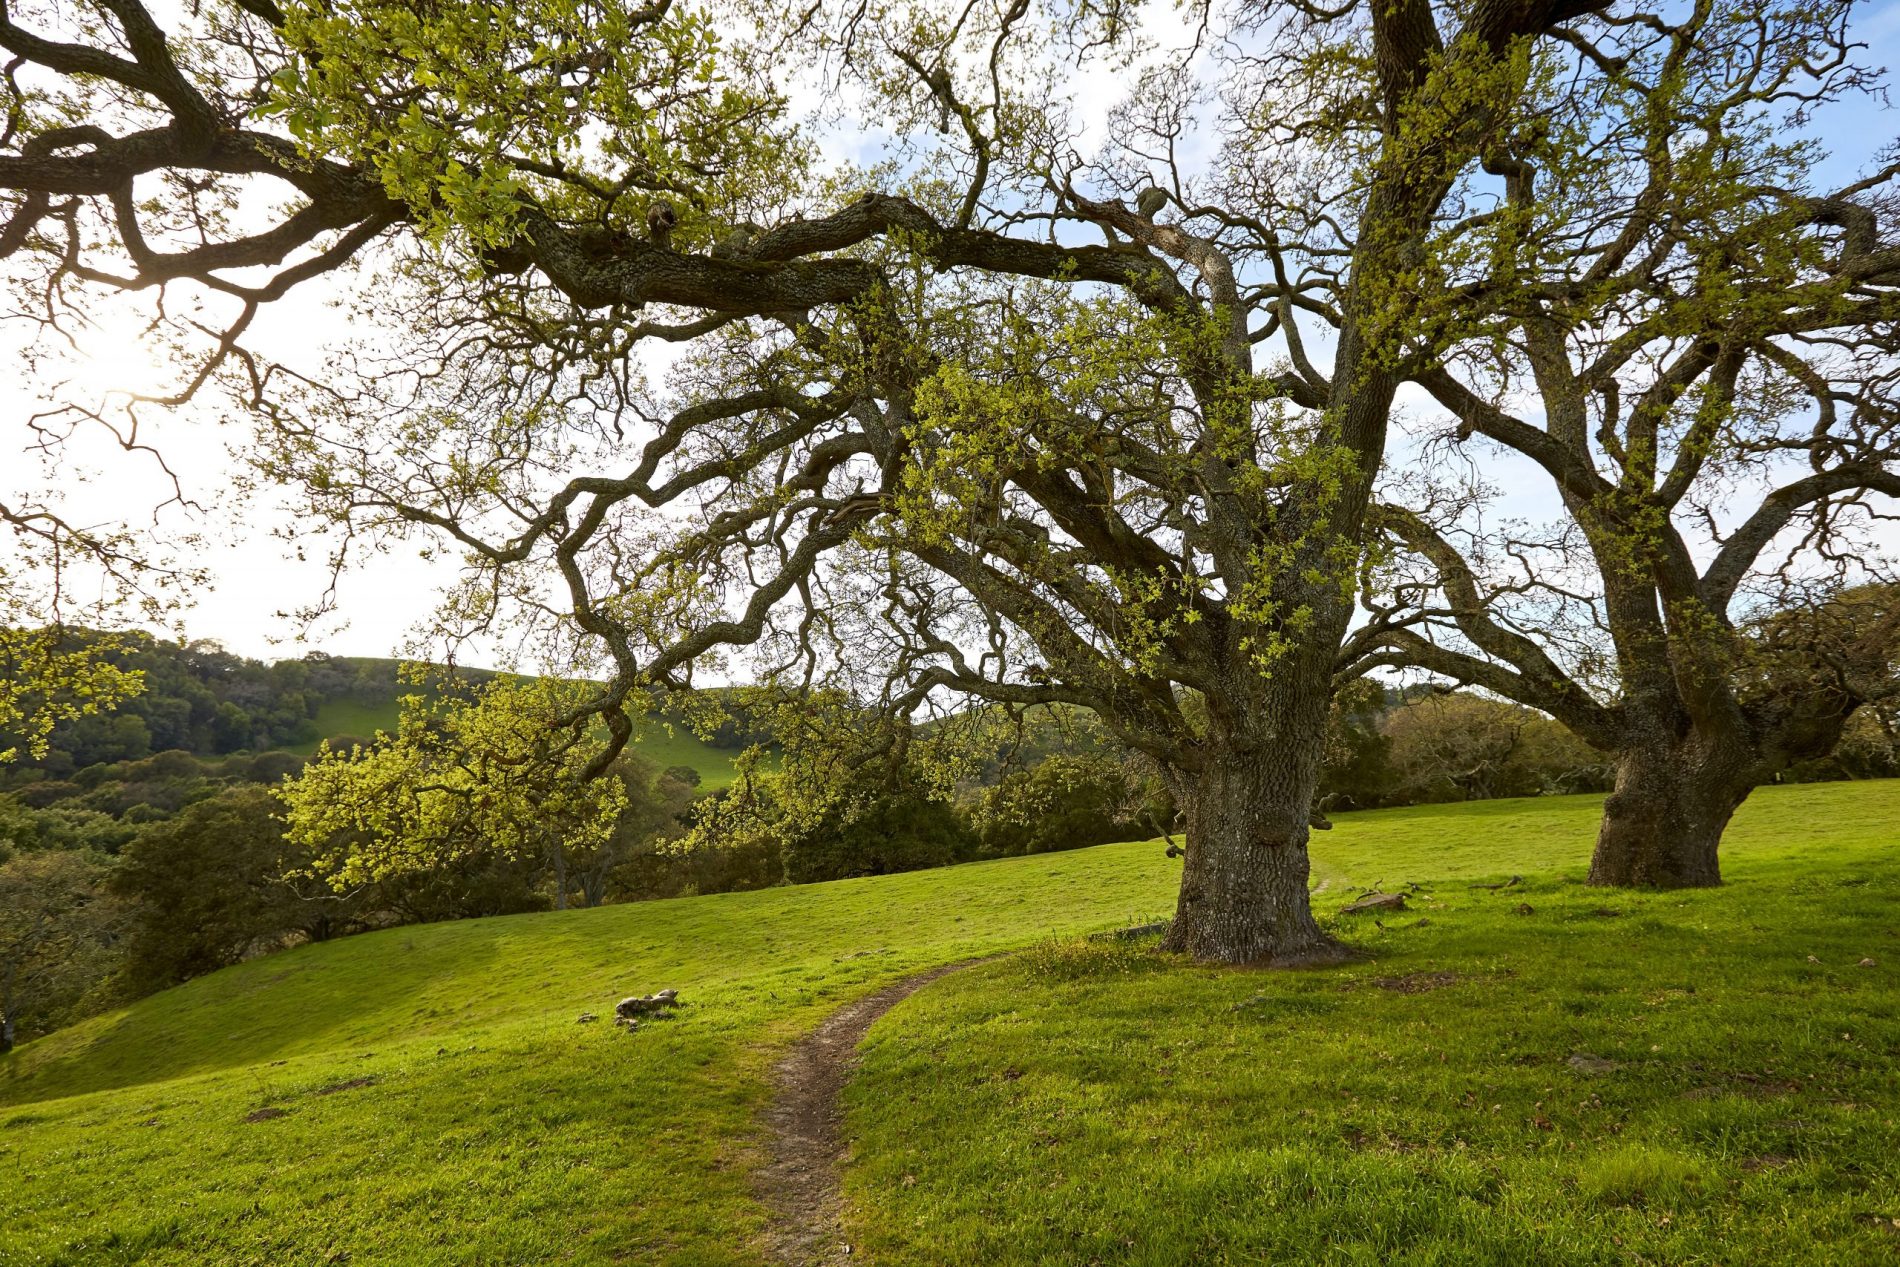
x: 900, y: 828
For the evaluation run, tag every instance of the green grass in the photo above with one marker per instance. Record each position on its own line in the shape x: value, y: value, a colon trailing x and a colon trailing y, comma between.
x: 657, y: 743
x: 337, y: 717
x: 1079, y: 1102
x: 1091, y: 1102
x: 682, y: 747
x: 498, y: 1130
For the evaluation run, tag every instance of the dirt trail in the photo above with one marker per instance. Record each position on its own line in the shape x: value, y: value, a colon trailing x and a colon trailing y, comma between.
x: 800, y: 1184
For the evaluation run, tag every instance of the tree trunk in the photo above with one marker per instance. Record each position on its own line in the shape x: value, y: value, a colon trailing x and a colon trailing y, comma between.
x: 1662, y: 826
x: 1243, y: 893
x: 7, y: 1032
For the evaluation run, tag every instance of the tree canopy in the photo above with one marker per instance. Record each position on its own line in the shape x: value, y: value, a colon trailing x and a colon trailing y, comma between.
x: 1038, y: 406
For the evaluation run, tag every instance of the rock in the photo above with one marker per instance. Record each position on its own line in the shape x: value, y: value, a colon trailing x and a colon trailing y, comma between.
x: 585, y: 1017
x: 1867, y: 963
x: 1524, y: 908
x: 1814, y: 959
x: 1375, y: 902
x: 655, y: 1004
x: 1584, y: 1062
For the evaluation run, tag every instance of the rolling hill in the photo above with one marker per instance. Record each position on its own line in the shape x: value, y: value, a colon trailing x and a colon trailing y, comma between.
x: 1540, y: 1072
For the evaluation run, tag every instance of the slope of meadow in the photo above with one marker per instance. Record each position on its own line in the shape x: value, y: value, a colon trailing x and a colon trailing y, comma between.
x: 426, y: 1095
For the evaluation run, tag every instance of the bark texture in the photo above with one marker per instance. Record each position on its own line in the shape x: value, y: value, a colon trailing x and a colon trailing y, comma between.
x: 1662, y: 826
x: 1243, y: 897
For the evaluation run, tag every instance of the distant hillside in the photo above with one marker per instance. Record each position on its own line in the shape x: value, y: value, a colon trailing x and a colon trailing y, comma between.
x: 355, y: 718
x: 204, y: 700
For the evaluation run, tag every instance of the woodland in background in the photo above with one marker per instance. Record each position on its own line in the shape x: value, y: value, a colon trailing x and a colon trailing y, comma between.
x: 124, y: 871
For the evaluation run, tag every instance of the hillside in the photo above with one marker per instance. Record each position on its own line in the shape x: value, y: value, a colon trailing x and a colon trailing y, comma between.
x: 658, y: 744
x: 198, y: 698
x: 1082, y: 1102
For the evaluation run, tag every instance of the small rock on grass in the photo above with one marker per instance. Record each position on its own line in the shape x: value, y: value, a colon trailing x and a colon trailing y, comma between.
x: 1375, y: 902
x: 1867, y: 963
x: 657, y: 1004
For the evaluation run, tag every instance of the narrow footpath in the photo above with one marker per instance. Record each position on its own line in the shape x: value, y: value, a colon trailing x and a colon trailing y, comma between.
x: 801, y: 1182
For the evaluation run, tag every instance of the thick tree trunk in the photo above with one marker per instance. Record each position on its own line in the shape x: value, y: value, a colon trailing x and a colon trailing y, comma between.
x: 1243, y: 893
x: 1662, y: 826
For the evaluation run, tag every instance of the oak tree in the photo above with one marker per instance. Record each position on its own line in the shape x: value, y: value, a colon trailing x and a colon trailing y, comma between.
x: 1020, y: 415
x: 1694, y: 345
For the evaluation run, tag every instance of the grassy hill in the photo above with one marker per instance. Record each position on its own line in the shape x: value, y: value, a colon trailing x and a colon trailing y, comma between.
x: 426, y: 1095
x: 656, y: 743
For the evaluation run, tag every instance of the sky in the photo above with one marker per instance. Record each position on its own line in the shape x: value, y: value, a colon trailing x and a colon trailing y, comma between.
x: 257, y: 577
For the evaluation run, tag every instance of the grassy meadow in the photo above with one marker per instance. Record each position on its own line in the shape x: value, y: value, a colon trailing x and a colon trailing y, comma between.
x: 1538, y: 1073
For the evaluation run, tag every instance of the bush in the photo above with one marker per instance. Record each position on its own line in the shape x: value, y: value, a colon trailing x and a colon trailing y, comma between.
x: 58, y: 939
x: 1463, y: 747
x: 1356, y: 762
x: 206, y: 888
x: 50, y: 792
x: 272, y: 767
x: 662, y: 871
x: 883, y: 831
x: 173, y: 763
x: 1062, y: 802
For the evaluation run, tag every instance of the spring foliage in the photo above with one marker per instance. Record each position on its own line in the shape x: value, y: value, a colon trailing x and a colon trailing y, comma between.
x: 490, y: 771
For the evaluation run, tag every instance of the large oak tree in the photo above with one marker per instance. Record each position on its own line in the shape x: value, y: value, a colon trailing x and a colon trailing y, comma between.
x: 996, y: 418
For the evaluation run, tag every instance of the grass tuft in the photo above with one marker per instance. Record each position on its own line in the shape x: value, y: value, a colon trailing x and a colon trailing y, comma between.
x: 1643, y: 1176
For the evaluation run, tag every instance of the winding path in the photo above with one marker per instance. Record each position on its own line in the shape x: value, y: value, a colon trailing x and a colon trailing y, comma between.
x: 800, y: 1184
